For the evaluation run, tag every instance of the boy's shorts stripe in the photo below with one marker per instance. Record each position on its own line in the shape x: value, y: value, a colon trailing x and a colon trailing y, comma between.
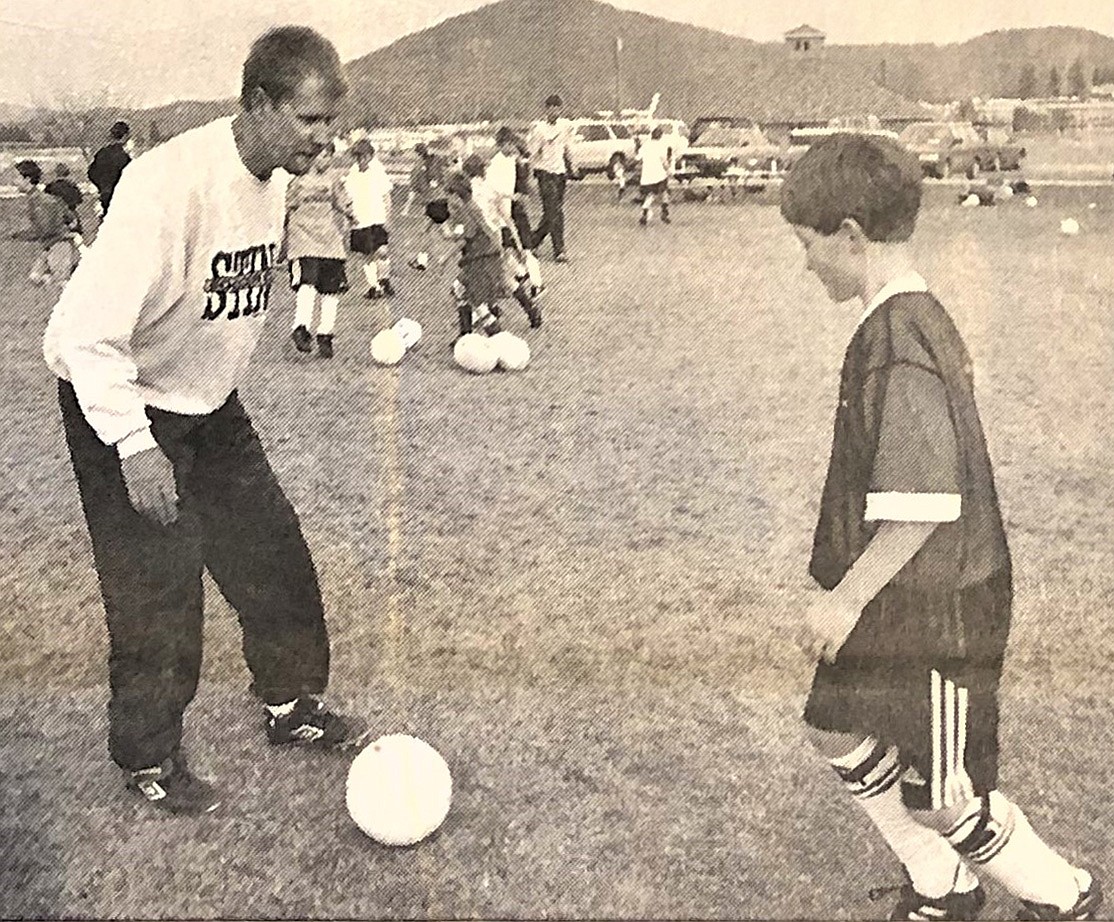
x: 951, y: 784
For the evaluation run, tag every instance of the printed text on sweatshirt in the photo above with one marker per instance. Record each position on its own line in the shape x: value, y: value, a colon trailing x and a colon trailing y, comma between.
x: 167, y: 306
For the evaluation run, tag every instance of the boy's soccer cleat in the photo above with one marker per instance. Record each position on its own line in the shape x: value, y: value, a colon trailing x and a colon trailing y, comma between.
x: 386, y: 287
x: 325, y: 345
x: 419, y: 262
x: 373, y: 293
x: 311, y: 723
x: 644, y: 219
x: 173, y: 788
x: 911, y: 905
x: 561, y: 258
x: 303, y: 341
x: 1086, y: 907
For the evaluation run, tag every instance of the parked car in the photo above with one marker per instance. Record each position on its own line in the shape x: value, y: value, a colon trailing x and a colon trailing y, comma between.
x: 947, y: 148
x: 601, y: 145
x: 719, y: 151
x: 674, y: 131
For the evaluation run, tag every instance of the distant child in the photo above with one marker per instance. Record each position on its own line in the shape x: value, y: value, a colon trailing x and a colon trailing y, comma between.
x: 427, y: 184
x: 480, y: 284
x: 318, y: 218
x: 657, y: 165
x: 66, y: 189
x: 50, y: 227
x: 369, y: 188
x: 508, y: 177
x: 911, y: 631
x: 495, y: 208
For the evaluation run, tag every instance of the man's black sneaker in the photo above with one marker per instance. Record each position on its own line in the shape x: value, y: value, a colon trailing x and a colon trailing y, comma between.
x: 311, y: 723
x: 325, y: 345
x: 961, y: 907
x: 1086, y: 907
x: 303, y: 342
x: 386, y: 287
x: 173, y: 788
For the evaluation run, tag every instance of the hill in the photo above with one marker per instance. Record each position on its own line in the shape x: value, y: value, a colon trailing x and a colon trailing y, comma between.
x: 986, y: 66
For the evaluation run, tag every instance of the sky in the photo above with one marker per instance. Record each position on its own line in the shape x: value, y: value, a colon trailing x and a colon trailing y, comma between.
x: 145, y: 52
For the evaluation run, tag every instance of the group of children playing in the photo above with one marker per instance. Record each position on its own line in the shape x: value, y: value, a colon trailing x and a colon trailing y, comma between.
x: 473, y: 202
x: 54, y: 223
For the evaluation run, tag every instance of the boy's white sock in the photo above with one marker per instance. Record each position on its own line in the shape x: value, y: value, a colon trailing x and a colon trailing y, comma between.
x: 384, y: 267
x: 329, y: 304
x: 994, y: 834
x: 304, y: 299
x: 371, y: 273
x: 872, y: 773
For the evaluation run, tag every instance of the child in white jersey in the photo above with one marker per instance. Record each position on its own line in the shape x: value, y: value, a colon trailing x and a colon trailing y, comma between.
x: 369, y: 187
x: 657, y: 165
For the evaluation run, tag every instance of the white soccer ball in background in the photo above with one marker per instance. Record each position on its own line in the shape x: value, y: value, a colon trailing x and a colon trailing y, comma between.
x: 1031, y: 201
x: 387, y: 347
x: 971, y: 201
x: 1069, y: 227
x: 512, y: 351
x: 475, y: 353
x: 399, y: 790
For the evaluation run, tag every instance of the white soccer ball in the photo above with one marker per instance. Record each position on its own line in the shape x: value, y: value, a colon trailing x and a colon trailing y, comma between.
x: 409, y: 331
x: 512, y: 352
x: 971, y: 201
x: 1004, y: 191
x: 475, y: 353
x: 1031, y: 201
x: 387, y: 347
x: 1069, y: 227
x: 399, y: 790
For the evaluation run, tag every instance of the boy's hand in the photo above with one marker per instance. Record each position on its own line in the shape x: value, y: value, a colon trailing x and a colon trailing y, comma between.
x: 827, y: 623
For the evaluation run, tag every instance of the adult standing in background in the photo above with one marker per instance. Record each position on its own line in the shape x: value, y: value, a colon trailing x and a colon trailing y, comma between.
x: 109, y: 163
x: 550, y: 146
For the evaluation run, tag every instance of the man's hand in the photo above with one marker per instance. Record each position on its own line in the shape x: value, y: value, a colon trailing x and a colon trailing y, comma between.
x: 826, y: 626
x: 149, y: 477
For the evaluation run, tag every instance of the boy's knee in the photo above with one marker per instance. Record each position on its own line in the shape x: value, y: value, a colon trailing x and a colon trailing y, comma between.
x: 832, y: 745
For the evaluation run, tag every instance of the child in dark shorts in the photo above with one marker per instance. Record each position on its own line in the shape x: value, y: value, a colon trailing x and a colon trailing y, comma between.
x: 911, y: 632
x: 480, y: 283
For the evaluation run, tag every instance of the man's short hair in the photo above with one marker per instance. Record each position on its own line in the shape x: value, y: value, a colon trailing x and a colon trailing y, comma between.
x: 554, y: 100
x: 874, y: 181
x: 28, y: 169
x: 283, y: 58
x: 119, y: 131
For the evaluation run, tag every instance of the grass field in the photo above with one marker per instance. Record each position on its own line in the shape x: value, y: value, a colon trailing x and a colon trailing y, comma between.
x: 578, y: 583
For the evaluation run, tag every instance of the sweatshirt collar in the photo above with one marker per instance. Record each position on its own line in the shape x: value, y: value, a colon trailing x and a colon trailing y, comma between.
x: 906, y: 283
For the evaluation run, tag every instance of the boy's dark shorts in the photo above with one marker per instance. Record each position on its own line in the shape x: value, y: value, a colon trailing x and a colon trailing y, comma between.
x: 921, y: 671
x: 367, y: 240
x: 654, y: 188
x: 325, y: 275
x: 438, y: 211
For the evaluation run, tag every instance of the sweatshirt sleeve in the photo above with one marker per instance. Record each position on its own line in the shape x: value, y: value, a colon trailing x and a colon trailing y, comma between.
x: 138, y: 259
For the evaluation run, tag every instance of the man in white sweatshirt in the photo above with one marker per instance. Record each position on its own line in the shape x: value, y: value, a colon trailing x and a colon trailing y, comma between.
x: 150, y: 341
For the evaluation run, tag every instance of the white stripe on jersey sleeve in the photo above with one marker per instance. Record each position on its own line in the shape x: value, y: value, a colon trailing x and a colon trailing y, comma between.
x: 913, y: 507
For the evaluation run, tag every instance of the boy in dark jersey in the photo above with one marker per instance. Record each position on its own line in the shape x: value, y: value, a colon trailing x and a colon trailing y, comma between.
x: 911, y: 632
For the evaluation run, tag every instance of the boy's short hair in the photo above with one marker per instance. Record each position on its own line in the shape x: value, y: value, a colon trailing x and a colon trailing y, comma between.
x: 29, y: 169
x: 456, y: 183
x: 363, y: 148
x: 282, y: 59
x: 554, y: 100
x: 874, y: 181
x: 657, y: 132
x: 61, y: 169
x: 474, y: 165
x: 506, y: 135
x: 119, y: 131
